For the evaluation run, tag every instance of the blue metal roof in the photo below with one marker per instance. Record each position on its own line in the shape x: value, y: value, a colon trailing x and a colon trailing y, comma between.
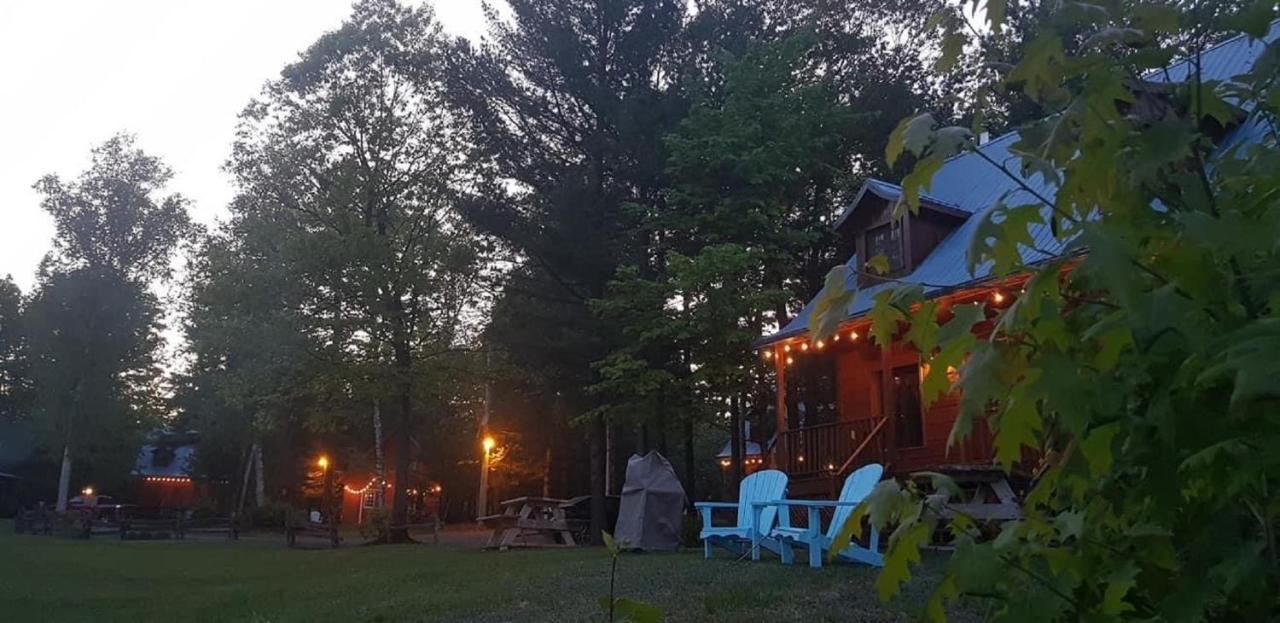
x: 182, y: 460
x: 968, y: 183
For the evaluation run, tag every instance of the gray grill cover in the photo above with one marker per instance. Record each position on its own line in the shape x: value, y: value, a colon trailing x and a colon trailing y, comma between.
x: 652, y: 505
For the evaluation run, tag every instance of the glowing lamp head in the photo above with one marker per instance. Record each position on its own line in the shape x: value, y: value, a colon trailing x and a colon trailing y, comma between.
x: 998, y: 297
x: 323, y: 462
x: 853, y: 335
x: 804, y: 346
x: 86, y: 491
x: 488, y: 444
x: 820, y: 344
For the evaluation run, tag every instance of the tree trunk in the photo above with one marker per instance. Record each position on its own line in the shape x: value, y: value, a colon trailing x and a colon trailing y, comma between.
x: 610, y: 458
x: 690, y: 470
x: 660, y: 426
x: 400, y: 494
x: 379, y: 465
x: 546, y: 474
x: 64, y: 480
x: 244, y: 482
x: 260, y: 484
x: 598, y: 467
x: 735, y: 440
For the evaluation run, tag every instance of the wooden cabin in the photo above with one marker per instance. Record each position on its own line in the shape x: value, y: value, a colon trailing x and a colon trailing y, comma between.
x: 845, y: 402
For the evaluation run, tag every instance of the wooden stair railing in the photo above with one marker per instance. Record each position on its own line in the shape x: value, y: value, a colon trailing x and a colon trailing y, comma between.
x: 853, y: 456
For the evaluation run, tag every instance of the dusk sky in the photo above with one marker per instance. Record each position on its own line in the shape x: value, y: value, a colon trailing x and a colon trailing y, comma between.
x: 173, y: 72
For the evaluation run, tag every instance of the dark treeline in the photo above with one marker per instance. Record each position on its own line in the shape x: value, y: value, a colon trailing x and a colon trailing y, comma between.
x: 593, y: 212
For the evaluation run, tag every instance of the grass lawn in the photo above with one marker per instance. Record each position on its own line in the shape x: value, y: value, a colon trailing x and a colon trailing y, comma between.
x: 51, y: 579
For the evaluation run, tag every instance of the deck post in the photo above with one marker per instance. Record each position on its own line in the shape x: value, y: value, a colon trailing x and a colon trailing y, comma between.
x: 888, y: 402
x: 780, y: 405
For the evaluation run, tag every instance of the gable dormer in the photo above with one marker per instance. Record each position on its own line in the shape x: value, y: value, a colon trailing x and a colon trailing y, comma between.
x: 868, y: 229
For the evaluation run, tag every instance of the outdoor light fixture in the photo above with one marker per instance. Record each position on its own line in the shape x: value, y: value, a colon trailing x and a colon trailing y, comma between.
x: 820, y: 344
x: 323, y: 462
x: 804, y: 346
x: 86, y: 491
x: 998, y: 297
x: 488, y: 444
x: 853, y: 335
x: 790, y: 360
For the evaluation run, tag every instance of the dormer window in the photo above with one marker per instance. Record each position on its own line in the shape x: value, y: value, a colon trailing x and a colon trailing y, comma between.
x: 869, y: 229
x: 886, y: 240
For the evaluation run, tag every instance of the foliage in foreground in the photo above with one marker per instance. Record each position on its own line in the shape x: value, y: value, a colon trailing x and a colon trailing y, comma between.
x: 1140, y: 359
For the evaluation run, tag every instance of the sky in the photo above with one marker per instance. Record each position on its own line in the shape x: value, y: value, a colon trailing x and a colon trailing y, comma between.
x: 173, y: 72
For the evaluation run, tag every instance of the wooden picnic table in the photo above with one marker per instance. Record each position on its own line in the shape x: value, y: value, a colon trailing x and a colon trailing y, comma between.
x: 529, y: 522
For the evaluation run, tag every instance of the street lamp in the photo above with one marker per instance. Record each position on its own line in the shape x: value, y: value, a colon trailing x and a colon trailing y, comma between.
x: 482, y: 498
x: 323, y: 463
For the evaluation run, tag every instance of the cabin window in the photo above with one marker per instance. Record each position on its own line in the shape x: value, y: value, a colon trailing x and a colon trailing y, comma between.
x: 886, y: 240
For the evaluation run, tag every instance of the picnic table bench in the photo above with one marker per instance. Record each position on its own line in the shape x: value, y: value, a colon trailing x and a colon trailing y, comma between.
x: 529, y: 522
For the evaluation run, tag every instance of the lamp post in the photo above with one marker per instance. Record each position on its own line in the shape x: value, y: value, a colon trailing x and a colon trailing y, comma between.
x: 323, y: 463
x: 482, y: 498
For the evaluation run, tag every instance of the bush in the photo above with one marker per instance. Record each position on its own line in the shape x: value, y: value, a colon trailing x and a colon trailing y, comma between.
x: 270, y: 515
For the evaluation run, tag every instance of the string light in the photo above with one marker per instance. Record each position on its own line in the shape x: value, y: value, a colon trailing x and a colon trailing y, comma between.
x: 998, y: 297
x: 836, y: 337
x: 853, y: 335
x: 768, y: 354
x: 167, y: 479
x: 786, y: 348
x: 790, y: 360
x: 369, y: 485
x: 804, y: 346
x: 820, y: 344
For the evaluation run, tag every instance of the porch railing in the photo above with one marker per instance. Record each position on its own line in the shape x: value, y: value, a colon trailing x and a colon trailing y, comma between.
x: 827, y: 449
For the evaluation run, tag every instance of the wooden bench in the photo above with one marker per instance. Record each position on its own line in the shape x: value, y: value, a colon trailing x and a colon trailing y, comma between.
x: 150, y: 527
x: 295, y: 530
x: 228, y: 526
x: 34, y: 522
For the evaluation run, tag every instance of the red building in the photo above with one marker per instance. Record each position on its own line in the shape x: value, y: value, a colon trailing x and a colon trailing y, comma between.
x: 162, y: 477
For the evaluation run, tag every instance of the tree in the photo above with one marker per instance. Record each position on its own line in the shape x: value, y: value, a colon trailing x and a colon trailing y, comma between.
x: 355, y: 159
x: 15, y: 378
x: 92, y: 324
x: 569, y: 103
x: 1139, y: 361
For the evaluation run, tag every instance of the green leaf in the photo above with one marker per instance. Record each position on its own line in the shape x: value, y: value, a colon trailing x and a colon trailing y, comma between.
x: 911, y: 135
x: 920, y: 178
x: 904, y: 551
x: 831, y: 306
x: 851, y: 529
x: 1118, y: 585
x: 1016, y: 427
x: 1096, y: 449
x: 879, y: 263
x: 996, y: 10
x: 608, y: 542
x: 951, y: 48
x: 884, y: 318
x: 940, y: 482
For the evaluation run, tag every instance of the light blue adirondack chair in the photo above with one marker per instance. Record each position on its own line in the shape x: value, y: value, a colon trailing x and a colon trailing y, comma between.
x: 856, y: 487
x: 768, y: 484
